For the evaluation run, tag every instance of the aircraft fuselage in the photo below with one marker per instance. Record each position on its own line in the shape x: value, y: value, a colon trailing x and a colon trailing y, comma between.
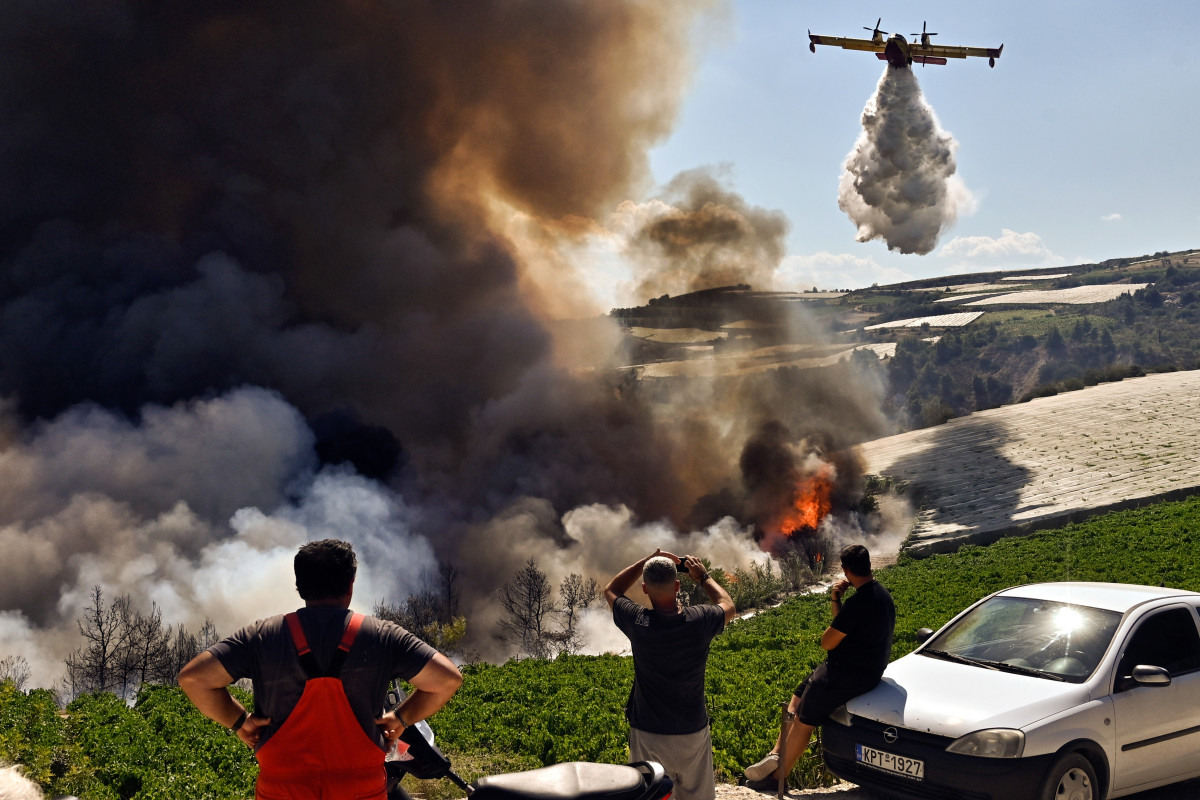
x: 896, y: 52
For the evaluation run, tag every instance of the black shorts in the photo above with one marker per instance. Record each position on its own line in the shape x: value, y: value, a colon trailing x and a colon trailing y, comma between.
x: 819, y: 695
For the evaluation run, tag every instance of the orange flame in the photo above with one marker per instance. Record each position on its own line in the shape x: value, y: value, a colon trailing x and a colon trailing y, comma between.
x: 811, y: 502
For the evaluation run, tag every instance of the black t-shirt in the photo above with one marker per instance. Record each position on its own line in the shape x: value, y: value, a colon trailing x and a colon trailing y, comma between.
x: 264, y: 653
x: 670, y: 653
x: 868, y: 618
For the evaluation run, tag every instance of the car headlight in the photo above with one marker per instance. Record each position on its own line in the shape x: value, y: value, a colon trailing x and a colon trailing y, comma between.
x: 841, y: 716
x: 991, y: 743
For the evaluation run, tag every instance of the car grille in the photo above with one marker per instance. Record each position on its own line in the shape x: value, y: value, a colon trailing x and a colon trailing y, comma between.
x: 876, y: 729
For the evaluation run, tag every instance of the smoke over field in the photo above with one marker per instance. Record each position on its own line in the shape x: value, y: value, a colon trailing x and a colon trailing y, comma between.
x: 899, y: 183
x: 274, y: 272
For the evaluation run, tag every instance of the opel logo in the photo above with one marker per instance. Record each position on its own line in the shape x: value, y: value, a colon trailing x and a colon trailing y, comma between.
x: 890, y: 735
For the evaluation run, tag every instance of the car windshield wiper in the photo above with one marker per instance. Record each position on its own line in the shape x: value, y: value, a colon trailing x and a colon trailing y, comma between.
x: 1020, y: 670
x: 955, y: 657
x: 999, y: 666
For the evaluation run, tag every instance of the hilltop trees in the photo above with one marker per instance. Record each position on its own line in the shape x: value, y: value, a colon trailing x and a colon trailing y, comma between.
x: 530, y: 613
x: 431, y: 614
x: 125, y: 649
x: 15, y: 670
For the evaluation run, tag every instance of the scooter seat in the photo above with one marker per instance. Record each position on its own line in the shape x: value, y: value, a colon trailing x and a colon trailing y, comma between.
x: 574, y: 780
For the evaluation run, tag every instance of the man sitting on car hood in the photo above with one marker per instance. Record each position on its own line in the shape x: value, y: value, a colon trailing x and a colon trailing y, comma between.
x: 859, y: 642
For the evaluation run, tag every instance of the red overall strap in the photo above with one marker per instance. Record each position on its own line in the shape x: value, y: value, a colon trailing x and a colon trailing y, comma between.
x: 343, y: 649
x: 352, y: 629
x: 293, y: 623
x: 308, y: 659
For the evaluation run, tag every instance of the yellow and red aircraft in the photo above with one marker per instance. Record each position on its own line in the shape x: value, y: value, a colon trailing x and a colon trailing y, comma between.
x: 898, y: 52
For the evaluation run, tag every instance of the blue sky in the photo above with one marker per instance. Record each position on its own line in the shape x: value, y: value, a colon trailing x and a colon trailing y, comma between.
x: 1080, y: 145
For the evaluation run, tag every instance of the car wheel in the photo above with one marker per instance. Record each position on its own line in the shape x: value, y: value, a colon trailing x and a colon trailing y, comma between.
x: 1071, y: 778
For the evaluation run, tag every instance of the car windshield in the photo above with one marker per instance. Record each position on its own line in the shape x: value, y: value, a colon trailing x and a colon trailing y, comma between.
x: 1048, y: 639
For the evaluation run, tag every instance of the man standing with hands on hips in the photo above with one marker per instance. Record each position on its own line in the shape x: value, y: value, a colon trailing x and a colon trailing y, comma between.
x: 668, y: 719
x: 859, y: 643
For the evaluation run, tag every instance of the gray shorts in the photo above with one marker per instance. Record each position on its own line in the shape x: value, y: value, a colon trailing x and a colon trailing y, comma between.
x: 686, y: 757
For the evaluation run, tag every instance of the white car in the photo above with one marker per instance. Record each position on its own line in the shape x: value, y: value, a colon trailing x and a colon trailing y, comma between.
x: 1054, y: 690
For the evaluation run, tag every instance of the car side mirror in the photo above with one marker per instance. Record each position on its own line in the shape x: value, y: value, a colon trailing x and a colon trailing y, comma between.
x: 923, y: 635
x: 1144, y: 675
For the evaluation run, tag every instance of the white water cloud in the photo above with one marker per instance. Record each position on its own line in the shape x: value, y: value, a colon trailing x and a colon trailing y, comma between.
x: 899, y: 183
x: 1113, y: 217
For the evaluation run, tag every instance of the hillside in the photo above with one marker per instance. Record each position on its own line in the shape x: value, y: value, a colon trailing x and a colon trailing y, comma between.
x: 1039, y: 464
x: 943, y: 347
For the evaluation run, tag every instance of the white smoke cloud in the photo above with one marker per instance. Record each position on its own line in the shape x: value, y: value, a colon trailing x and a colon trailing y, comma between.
x: 198, y: 509
x: 593, y: 541
x: 1114, y: 217
x: 899, y: 183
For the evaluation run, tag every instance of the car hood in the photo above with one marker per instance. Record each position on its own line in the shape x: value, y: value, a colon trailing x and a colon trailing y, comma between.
x: 928, y: 694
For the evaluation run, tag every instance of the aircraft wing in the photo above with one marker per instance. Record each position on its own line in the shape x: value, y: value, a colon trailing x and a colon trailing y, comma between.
x: 938, y: 53
x: 848, y: 44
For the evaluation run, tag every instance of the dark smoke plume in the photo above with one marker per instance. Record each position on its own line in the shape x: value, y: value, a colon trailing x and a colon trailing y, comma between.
x: 899, y: 183
x: 705, y: 236
x: 235, y: 237
x: 272, y: 272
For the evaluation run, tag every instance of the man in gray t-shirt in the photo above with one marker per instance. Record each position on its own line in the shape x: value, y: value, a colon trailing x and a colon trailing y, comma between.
x: 264, y: 653
x: 320, y: 676
x: 668, y: 721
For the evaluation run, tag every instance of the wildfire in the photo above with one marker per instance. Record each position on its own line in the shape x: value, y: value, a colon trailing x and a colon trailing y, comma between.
x: 811, y: 502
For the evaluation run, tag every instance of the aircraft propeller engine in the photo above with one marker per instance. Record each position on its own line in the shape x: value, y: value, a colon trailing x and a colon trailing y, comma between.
x: 875, y: 31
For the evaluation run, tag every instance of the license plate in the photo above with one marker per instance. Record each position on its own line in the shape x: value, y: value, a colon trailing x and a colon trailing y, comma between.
x: 889, y: 762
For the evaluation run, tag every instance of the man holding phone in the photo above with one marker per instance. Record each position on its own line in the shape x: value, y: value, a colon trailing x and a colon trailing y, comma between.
x: 668, y: 719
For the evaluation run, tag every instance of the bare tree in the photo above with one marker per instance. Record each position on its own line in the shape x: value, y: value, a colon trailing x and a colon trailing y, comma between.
x: 147, y: 654
x: 448, y: 575
x: 184, y: 647
x: 207, y: 635
x: 576, y: 595
x: 97, y: 667
x: 526, y: 603
x: 15, y: 669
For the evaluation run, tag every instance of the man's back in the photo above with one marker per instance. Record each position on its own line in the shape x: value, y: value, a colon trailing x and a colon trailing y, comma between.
x: 265, y: 653
x: 868, y: 619
x: 670, y: 653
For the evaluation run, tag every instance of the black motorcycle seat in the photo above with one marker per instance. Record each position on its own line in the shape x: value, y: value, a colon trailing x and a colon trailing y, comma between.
x: 574, y: 780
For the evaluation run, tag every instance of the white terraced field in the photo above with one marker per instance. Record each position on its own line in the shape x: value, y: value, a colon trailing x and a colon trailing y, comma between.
x: 1075, y: 295
x: 1024, y: 278
x: 1040, y: 463
x: 956, y: 320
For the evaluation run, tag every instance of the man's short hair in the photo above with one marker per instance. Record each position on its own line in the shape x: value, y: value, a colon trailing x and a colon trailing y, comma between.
x: 325, y: 569
x: 856, y: 559
x: 659, y: 571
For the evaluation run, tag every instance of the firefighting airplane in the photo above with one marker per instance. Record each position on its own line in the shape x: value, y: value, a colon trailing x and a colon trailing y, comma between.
x: 900, y: 53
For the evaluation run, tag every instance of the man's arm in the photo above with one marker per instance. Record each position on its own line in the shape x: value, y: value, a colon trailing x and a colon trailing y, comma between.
x: 832, y: 637
x: 434, y: 685
x: 714, y: 591
x: 624, y: 580
x: 206, y: 683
